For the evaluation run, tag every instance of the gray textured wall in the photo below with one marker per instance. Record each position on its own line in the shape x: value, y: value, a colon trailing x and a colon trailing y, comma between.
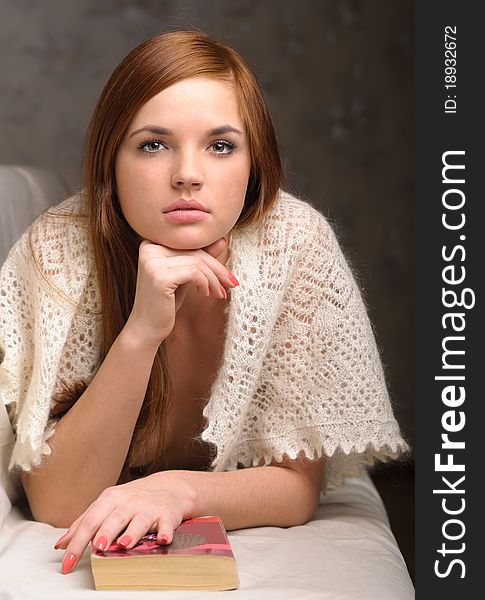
x: 338, y: 78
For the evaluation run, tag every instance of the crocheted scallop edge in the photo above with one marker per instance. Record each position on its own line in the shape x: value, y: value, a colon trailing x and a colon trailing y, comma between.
x: 17, y: 462
x: 353, y: 458
x: 335, y: 478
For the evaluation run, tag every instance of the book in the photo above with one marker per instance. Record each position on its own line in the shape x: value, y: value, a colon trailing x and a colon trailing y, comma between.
x: 199, y: 558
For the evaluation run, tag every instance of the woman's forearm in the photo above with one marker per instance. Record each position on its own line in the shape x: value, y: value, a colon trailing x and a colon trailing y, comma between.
x: 253, y: 497
x: 91, y: 441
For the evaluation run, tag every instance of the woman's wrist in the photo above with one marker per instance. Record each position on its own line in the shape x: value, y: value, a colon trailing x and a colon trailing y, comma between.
x: 135, y: 338
x: 179, y: 483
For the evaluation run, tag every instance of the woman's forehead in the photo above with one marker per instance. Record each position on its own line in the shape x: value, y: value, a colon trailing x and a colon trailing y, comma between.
x: 202, y: 102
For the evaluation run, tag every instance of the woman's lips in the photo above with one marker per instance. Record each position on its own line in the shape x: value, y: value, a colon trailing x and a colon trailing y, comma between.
x: 186, y: 216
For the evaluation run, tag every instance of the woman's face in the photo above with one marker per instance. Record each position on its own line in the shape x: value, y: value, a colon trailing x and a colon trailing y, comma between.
x: 172, y: 151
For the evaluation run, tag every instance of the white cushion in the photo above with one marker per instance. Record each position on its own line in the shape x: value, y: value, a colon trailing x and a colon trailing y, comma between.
x: 25, y: 191
x: 346, y: 552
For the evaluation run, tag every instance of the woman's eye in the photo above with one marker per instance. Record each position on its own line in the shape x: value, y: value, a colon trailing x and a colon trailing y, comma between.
x: 219, y: 146
x: 150, y: 146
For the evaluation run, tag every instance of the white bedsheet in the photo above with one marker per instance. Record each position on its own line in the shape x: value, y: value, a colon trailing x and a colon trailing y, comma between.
x: 347, y: 552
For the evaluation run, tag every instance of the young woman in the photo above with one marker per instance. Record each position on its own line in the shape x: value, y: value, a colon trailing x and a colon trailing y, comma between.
x: 183, y: 337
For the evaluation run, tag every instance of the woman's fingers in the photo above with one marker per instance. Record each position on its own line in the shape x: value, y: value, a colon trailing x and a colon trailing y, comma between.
x: 226, y: 278
x: 62, y: 541
x: 198, y: 272
x: 177, y: 276
x: 224, y: 275
x: 139, y: 527
x: 136, y: 527
x: 86, y: 530
x: 165, y: 530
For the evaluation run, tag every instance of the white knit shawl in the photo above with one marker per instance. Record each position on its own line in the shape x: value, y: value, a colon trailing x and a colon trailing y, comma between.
x: 300, y: 368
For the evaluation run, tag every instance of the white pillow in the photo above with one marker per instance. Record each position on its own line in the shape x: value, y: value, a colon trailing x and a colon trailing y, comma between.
x: 8, y: 483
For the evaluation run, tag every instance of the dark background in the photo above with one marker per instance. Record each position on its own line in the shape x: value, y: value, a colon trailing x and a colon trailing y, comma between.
x: 338, y: 77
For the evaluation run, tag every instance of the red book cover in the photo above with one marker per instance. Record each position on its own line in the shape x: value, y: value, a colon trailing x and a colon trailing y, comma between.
x: 201, y: 535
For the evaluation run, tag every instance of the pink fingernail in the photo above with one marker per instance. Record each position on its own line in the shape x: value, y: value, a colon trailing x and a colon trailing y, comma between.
x: 68, y: 562
x: 164, y: 539
x: 224, y: 293
x: 102, y: 543
x: 56, y: 545
x: 125, y: 540
x: 232, y: 278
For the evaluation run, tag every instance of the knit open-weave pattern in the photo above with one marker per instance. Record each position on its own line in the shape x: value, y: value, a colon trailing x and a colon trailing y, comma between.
x: 300, y: 370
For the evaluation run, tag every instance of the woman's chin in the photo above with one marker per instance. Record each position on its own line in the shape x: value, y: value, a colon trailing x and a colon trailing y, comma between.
x: 194, y: 244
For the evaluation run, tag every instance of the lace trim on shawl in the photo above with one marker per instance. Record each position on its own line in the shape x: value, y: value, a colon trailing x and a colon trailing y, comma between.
x: 341, y: 459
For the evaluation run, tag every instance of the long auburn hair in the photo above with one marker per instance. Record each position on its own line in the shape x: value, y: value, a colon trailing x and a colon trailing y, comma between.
x: 150, y: 68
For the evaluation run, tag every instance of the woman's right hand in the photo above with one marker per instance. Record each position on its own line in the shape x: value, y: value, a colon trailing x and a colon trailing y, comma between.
x: 162, y: 282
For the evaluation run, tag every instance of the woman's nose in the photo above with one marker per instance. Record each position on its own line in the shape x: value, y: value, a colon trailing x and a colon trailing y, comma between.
x: 187, y: 171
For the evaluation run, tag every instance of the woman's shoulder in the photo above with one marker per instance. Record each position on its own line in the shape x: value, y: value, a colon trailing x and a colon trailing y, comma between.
x: 74, y: 206
x: 70, y: 213
x: 54, y: 254
x: 58, y: 239
x: 296, y: 222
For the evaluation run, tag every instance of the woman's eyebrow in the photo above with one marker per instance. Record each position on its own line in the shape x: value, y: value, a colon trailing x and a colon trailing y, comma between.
x: 164, y: 131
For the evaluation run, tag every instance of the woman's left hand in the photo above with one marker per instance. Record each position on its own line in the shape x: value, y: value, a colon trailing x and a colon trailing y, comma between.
x: 156, y: 503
